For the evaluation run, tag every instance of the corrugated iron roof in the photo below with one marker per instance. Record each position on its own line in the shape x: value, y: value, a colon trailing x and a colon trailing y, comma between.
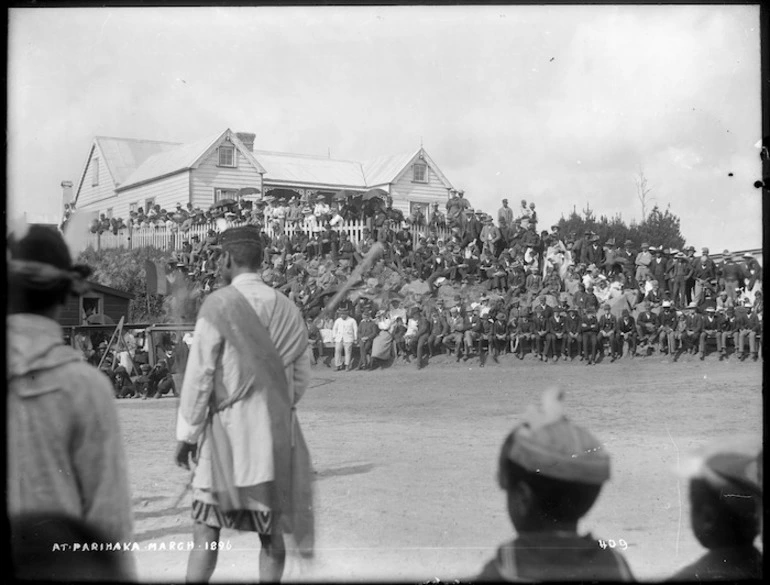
x: 166, y: 162
x: 298, y: 168
x: 133, y: 161
x: 384, y: 169
x: 123, y: 156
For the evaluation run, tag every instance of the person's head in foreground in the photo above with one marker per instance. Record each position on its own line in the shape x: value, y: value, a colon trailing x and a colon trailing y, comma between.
x: 241, y: 251
x: 552, y: 471
x: 41, y: 273
x: 725, y: 510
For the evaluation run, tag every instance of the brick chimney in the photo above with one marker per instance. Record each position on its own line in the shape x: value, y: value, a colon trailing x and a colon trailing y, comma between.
x: 66, y: 188
x: 247, y: 138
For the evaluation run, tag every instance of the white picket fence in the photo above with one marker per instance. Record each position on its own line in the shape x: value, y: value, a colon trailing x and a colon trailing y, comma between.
x: 173, y: 239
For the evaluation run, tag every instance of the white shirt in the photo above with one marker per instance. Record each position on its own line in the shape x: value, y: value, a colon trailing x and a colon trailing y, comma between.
x: 345, y: 330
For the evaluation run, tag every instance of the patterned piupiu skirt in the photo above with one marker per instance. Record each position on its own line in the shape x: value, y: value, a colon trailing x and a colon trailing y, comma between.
x: 206, y: 511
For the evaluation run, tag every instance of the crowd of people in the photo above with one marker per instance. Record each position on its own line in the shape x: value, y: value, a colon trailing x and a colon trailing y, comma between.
x: 490, y: 289
x: 126, y: 361
x: 68, y: 481
x: 311, y: 213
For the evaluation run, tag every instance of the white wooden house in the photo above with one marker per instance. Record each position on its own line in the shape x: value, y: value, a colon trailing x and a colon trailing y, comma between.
x: 122, y: 174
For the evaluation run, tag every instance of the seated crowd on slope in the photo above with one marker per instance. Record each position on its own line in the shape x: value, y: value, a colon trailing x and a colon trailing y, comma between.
x: 548, y: 294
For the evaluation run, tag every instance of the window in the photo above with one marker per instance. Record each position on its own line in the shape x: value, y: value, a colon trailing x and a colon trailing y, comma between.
x: 133, y: 206
x: 90, y: 305
x: 149, y: 204
x: 420, y: 173
x: 95, y: 171
x: 226, y: 156
x: 220, y: 194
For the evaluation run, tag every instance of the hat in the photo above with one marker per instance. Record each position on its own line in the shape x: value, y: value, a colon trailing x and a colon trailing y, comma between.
x: 611, y: 242
x: 748, y: 255
x: 629, y: 243
x: 710, y: 309
x: 729, y: 466
x: 120, y: 370
x: 594, y: 238
x: 645, y: 245
x: 247, y: 234
x: 606, y: 307
x: 558, y: 309
x: 704, y: 250
x: 555, y: 228
x: 666, y: 304
x: 145, y: 367
x: 548, y: 444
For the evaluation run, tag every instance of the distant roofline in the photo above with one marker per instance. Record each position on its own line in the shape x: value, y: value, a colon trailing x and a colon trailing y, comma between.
x: 311, y: 156
x: 140, y: 140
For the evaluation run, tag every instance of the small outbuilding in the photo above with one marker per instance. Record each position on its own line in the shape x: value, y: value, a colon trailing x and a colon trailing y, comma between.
x: 100, y: 305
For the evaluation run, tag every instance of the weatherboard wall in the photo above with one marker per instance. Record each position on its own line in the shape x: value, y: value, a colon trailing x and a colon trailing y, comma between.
x: 101, y: 196
x: 405, y: 191
x: 167, y: 191
x: 208, y: 177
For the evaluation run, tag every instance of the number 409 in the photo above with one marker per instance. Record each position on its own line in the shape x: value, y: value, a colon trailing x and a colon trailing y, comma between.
x: 612, y: 544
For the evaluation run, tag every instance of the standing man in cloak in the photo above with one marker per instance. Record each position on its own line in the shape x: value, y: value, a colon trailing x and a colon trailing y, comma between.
x: 248, y: 367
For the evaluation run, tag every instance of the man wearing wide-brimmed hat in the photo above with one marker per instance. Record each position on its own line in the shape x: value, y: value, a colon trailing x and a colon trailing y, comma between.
x: 704, y: 271
x: 642, y: 262
x: 733, y: 276
x: 680, y: 273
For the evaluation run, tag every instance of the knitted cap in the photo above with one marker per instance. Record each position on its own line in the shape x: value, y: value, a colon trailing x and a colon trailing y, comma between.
x: 547, y: 443
x: 730, y: 465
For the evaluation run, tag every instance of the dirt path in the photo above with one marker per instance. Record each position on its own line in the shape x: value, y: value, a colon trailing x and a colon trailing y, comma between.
x: 406, y: 460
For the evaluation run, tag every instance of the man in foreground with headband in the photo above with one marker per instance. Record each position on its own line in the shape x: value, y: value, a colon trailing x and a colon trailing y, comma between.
x: 552, y: 471
x: 66, y: 463
x: 247, y: 368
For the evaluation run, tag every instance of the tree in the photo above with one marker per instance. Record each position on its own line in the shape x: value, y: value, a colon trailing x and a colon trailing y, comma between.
x: 643, y: 191
x: 124, y: 270
x: 662, y: 229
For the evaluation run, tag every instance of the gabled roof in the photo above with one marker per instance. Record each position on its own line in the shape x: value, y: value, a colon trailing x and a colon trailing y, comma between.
x: 123, y: 156
x: 182, y: 157
x: 131, y: 162
x: 384, y: 169
x: 299, y: 168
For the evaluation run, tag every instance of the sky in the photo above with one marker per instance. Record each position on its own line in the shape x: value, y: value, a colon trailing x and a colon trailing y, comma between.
x: 563, y: 106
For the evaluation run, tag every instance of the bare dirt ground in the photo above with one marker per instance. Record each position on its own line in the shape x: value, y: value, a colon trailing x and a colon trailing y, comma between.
x: 405, y: 464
